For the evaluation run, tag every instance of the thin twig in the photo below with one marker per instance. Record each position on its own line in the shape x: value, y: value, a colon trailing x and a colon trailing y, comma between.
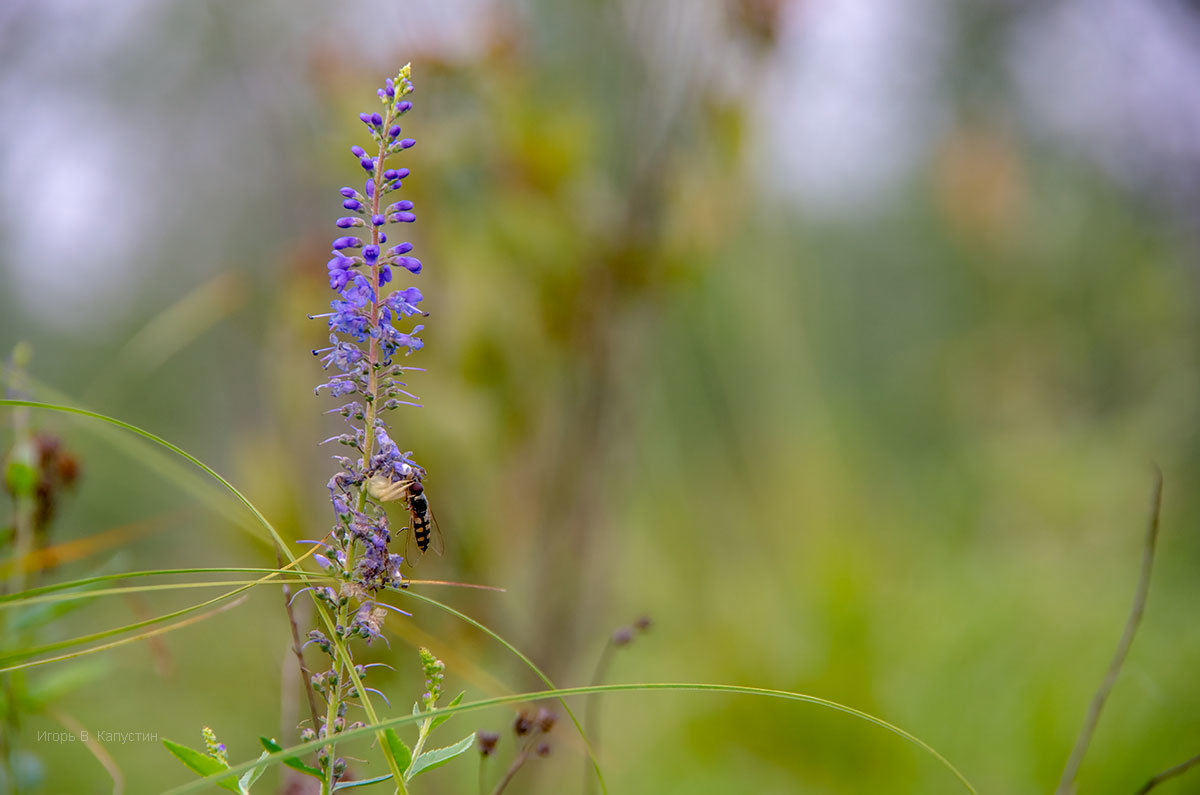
x: 313, y: 709
x: 1170, y: 772
x: 1066, y: 784
x: 97, y: 750
x: 518, y: 762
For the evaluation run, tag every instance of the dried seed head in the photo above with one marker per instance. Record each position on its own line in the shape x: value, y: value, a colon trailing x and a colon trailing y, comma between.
x: 487, y: 742
x: 523, y: 723
x: 545, y: 720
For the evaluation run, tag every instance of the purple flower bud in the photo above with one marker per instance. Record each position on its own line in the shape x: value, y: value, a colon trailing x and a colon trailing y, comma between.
x: 390, y: 88
x: 407, y: 143
x: 401, y: 205
x: 391, y: 174
x: 385, y: 275
x: 347, y: 242
x: 376, y: 119
x: 411, y: 264
x: 370, y: 254
x: 394, y: 131
x: 346, y: 223
x: 378, y: 220
x: 403, y: 107
x: 365, y: 118
x: 401, y: 249
x: 403, y: 218
x: 370, y: 187
x: 339, y: 263
x: 352, y: 204
x: 358, y: 151
x: 348, y: 192
x: 380, y: 93
x: 367, y: 163
x: 402, y: 173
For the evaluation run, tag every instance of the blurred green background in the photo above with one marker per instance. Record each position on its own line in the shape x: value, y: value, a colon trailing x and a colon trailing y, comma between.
x: 839, y: 338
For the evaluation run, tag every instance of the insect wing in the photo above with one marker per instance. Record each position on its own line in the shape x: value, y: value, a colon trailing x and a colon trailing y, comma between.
x: 436, y: 543
x: 412, y: 552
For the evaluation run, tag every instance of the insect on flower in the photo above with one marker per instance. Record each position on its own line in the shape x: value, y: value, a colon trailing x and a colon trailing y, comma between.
x: 423, y: 531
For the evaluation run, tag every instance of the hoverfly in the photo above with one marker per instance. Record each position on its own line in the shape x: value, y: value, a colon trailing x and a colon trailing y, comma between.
x: 423, y: 531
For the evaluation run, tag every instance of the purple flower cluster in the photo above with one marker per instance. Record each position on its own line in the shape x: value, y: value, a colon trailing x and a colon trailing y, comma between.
x: 369, y: 329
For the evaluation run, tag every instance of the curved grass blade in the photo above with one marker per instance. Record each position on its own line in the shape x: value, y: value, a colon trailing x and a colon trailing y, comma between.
x: 124, y: 641
x: 694, y: 687
x: 20, y: 596
x: 170, y: 586
x: 321, y: 611
x: 528, y: 663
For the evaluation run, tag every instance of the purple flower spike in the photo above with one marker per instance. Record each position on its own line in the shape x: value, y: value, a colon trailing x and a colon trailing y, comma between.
x: 370, y: 326
x: 407, y: 143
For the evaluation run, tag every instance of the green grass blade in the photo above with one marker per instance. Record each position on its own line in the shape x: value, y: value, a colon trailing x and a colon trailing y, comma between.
x: 170, y: 586
x: 125, y: 641
x: 698, y: 687
x: 321, y: 611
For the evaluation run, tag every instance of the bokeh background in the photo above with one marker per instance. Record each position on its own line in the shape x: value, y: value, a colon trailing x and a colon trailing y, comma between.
x: 837, y: 337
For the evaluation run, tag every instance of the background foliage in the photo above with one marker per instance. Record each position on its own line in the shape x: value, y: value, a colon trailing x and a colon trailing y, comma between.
x: 872, y: 421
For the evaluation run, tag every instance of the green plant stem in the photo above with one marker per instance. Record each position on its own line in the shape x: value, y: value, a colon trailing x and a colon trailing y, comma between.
x: 591, y: 720
x: 422, y: 736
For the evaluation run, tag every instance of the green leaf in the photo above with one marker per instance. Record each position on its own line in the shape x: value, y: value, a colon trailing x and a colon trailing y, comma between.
x: 202, y: 764
x: 440, y: 756
x: 440, y: 719
x: 291, y: 761
x: 363, y: 783
x: 252, y: 775
x: 400, y: 751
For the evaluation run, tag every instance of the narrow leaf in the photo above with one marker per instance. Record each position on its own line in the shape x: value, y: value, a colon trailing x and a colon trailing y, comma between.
x: 440, y: 719
x: 400, y: 751
x: 440, y: 756
x: 363, y: 783
x: 201, y: 763
x: 290, y: 761
x: 252, y: 775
